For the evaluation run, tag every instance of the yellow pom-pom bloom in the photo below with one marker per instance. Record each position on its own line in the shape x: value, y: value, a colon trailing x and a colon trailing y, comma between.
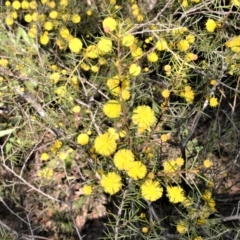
x: 137, y: 170
x: 136, y: 53
x: 25, y: 5
x: 7, y: 3
x: 89, y: 12
x: 182, y: 227
x: 207, y: 163
x: 75, y: 18
x: 55, y: 77
x: 211, y: 25
x: 28, y: 18
x: 48, y: 26
x: 33, y: 5
x: 144, y: 117
x: 213, y: 82
x: 105, y: 144
x: 123, y: 159
x: 165, y: 93
x: 16, y: 5
x: 111, y: 183
x: 213, y: 102
x: 75, y: 45
x: 134, y: 70
x: 109, y: 24
x: 144, y: 229
x: 92, y: 51
x: 164, y: 137
x: 190, y: 38
x: 112, y: 109
x: 83, y: 139
x: 183, y: 45
x: 170, y: 166
x: 9, y: 21
x: 14, y: 15
x: 76, y: 109
x: 128, y: 40
x: 179, y: 161
x: 44, y: 39
x: 161, y: 45
x: 152, y: 57
x: 3, y: 62
x: 44, y: 157
x: 151, y: 190
x: 94, y: 68
x: 104, y: 45
x: 87, y: 190
x: 51, y: 4
x: 175, y: 194
x: 53, y: 14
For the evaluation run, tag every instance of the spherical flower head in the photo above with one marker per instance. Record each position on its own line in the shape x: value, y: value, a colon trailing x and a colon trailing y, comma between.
x: 188, y: 94
x: 211, y: 25
x: 190, y: 57
x: 134, y: 70
x: 144, y: 229
x: 111, y: 183
x: 44, y: 156
x: 61, y: 91
x: 87, y: 190
x: 213, y: 82
x: 48, y: 26
x: 179, y: 161
x: 109, y: 24
x: 112, y: 109
x: 213, y: 102
x: 55, y: 77
x: 183, y: 45
x: 28, y: 18
x: 175, y: 194
x: 151, y: 190
x: 3, y: 62
x: 104, y: 46
x: 123, y: 159
x: 53, y: 14
x: 161, y: 45
x: 75, y: 18
x: 105, y: 144
x: 234, y: 42
x: 165, y: 93
x: 16, y: 5
x: 170, y: 166
x: 152, y: 57
x: 94, y: 68
x: 182, y: 227
x: 83, y: 139
x: 137, y: 53
x: 207, y: 163
x: 190, y: 38
x: 75, y: 45
x: 44, y: 39
x: 137, y: 170
x: 9, y: 20
x: 164, y: 137
x: 92, y: 51
x: 76, y: 109
x: 128, y: 40
x: 144, y: 117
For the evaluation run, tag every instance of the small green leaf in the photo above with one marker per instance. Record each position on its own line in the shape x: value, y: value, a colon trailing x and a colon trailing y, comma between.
x: 6, y: 132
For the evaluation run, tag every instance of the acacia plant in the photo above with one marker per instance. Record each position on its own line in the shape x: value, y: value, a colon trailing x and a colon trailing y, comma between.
x: 119, y: 119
